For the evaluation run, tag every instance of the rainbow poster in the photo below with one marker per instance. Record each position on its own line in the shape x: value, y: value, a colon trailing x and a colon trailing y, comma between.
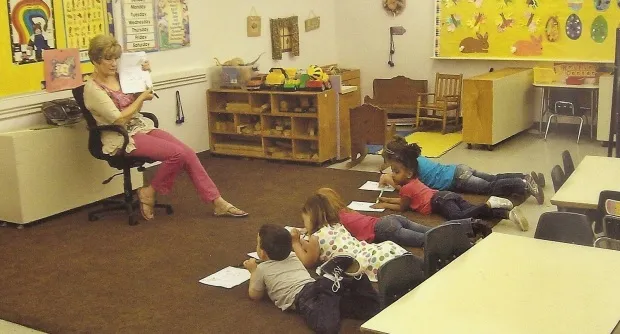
x: 32, y: 29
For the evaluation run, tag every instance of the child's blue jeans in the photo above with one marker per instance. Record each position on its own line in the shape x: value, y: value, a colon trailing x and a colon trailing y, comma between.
x: 400, y: 230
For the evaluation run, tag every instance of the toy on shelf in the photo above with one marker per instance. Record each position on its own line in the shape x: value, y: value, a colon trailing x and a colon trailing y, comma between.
x: 256, y: 82
x: 275, y: 79
x: 264, y: 108
x: 237, y: 107
x: 284, y: 106
x: 317, y: 79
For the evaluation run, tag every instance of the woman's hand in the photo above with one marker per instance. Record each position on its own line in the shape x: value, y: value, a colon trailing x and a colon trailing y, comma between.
x: 147, y: 95
x: 146, y: 66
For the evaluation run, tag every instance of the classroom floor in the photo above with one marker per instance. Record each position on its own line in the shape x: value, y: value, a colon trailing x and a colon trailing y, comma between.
x: 523, y: 153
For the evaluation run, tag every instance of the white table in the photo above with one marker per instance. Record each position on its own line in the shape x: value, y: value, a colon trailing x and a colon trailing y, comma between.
x: 512, y: 284
x: 593, y: 175
x: 546, y: 88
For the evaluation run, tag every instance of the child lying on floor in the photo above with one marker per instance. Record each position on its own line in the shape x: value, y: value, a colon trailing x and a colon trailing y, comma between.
x: 416, y: 196
x: 464, y: 179
x: 289, y: 285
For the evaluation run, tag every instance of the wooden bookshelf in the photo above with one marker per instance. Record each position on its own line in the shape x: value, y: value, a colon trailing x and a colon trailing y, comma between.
x: 292, y: 126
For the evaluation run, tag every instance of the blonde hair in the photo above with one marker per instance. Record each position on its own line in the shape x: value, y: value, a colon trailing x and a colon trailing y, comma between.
x: 103, y: 47
x: 334, y: 199
x: 320, y: 212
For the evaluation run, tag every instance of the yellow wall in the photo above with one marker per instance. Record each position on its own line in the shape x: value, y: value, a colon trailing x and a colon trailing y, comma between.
x: 501, y: 43
x: 20, y: 79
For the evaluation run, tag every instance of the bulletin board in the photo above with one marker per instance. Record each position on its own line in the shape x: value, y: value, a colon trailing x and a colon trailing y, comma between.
x: 155, y: 25
x: 27, y: 27
x: 543, y: 30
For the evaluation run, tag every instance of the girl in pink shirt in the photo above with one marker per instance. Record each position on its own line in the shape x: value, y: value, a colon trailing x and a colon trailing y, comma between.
x: 395, y: 228
x: 416, y: 196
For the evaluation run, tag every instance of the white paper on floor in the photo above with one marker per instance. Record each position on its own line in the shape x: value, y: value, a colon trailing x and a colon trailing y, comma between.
x: 372, y: 185
x: 227, y: 277
x: 363, y: 206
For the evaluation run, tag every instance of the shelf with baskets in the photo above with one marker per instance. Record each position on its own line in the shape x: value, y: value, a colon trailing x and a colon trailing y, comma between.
x: 296, y: 126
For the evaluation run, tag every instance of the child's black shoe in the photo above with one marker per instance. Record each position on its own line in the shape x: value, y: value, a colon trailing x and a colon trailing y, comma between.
x: 338, y: 266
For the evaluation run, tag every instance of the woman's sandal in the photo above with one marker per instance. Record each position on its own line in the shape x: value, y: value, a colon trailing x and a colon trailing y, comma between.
x: 143, y: 204
x: 230, y: 212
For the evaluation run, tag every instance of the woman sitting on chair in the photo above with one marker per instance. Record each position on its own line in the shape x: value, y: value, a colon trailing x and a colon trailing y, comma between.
x: 109, y: 105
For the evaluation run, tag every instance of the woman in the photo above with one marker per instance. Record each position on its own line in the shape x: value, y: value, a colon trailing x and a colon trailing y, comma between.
x: 464, y: 179
x: 108, y: 105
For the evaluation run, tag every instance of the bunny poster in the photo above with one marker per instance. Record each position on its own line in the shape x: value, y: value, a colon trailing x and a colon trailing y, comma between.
x: 552, y: 30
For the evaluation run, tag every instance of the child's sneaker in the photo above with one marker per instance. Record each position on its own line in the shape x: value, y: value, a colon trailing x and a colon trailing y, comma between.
x: 532, y: 188
x: 339, y: 265
x: 495, y: 202
x: 517, y: 217
x: 539, y: 178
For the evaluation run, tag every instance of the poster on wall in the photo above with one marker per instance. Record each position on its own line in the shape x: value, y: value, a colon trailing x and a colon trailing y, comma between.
x: 572, y: 30
x: 153, y: 25
x: 85, y: 19
x: 31, y: 25
x: 61, y: 69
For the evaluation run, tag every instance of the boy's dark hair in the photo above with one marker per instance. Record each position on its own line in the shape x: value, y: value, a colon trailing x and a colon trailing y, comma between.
x: 275, y: 241
x: 408, y: 156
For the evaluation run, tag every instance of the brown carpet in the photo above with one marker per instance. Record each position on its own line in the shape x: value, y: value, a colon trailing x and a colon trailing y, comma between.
x: 68, y: 275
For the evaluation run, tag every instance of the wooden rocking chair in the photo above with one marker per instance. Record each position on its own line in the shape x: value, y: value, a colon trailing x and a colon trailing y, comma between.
x: 447, y: 98
x: 369, y: 126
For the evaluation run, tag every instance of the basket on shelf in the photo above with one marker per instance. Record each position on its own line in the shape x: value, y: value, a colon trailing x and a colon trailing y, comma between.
x: 544, y: 75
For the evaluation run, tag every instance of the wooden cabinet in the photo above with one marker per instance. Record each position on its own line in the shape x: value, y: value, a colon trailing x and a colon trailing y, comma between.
x: 296, y: 126
x: 497, y: 105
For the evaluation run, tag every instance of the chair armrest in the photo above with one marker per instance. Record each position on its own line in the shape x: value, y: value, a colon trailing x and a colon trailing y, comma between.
x: 425, y: 94
x: 115, y: 128
x: 451, y: 97
x: 152, y: 117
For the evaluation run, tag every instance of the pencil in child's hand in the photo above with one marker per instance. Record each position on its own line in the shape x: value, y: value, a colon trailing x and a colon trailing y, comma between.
x: 380, y: 194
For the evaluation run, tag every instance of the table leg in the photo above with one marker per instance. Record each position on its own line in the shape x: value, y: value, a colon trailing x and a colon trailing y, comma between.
x: 591, y: 113
x: 542, y: 110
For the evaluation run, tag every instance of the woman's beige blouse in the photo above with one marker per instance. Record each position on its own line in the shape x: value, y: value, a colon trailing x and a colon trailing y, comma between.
x: 105, y: 112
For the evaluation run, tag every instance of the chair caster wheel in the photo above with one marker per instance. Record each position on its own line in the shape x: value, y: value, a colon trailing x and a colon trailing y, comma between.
x: 133, y: 221
x: 92, y: 218
x: 469, y: 146
x: 169, y: 210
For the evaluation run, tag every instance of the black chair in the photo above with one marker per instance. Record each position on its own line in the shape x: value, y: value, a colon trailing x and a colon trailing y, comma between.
x: 569, y: 166
x: 604, y: 219
x: 119, y: 161
x: 399, y: 276
x: 443, y: 244
x: 557, y: 177
x: 568, y: 227
x: 563, y: 102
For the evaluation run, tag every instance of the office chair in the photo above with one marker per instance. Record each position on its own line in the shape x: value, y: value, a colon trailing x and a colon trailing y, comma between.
x: 119, y: 161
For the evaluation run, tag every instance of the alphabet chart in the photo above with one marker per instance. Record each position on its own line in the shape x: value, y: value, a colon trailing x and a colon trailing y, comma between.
x: 85, y: 19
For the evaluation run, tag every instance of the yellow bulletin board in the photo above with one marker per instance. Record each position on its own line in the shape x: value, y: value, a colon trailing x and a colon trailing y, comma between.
x: 542, y: 30
x: 28, y: 26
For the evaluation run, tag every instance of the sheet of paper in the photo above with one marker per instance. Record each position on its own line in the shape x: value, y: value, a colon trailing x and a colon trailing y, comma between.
x: 372, y: 185
x: 227, y: 277
x: 133, y: 79
x: 363, y: 206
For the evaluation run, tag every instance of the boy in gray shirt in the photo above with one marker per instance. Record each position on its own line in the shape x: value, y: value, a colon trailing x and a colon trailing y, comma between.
x: 290, y: 286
